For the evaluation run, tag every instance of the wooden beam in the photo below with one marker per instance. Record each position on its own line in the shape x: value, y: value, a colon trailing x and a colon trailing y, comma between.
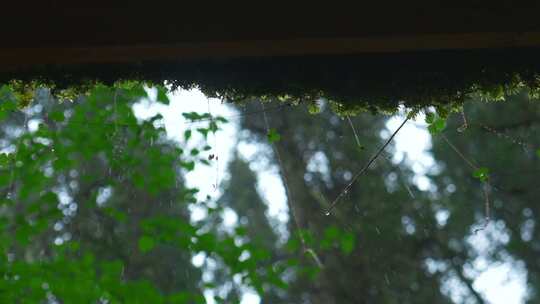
x: 21, y: 57
x: 63, y: 33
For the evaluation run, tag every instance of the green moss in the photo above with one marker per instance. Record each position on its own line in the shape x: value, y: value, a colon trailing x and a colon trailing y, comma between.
x: 378, y: 83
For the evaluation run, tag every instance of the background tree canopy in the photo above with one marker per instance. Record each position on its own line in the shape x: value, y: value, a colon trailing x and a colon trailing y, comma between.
x: 95, y: 206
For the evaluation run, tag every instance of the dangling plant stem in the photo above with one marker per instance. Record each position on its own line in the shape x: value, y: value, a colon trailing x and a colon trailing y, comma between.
x: 367, y: 165
x: 485, y: 190
x: 306, y: 250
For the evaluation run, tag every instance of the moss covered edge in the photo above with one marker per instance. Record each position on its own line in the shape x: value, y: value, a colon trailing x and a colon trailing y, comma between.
x: 379, y: 83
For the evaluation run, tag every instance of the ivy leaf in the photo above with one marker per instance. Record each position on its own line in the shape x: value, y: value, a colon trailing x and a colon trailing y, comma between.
x: 273, y: 136
x: 437, y: 126
x: 436, y: 123
x: 482, y: 174
x: 203, y: 131
x: 187, y: 134
x: 146, y: 244
x: 162, y: 95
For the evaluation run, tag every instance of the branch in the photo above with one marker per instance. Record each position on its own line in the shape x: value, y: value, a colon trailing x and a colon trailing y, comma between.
x: 450, y: 255
x: 516, y: 125
x: 468, y: 282
x: 366, y: 166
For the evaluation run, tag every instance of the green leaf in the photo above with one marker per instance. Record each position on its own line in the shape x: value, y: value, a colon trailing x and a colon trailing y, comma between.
x: 331, y: 233
x: 221, y: 119
x: 241, y: 231
x: 194, y: 116
x: 440, y: 124
x: 162, y: 95
x: 538, y: 152
x: 146, y: 244
x: 116, y: 214
x: 203, y: 131
x: 206, y: 242
x: 481, y: 173
x: 436, y: 121
x: 273, y: 136
x: 6, y: 107
x: 347, y: 243
x: 57, y: 116
x: 4, y: 160
x: 430, y: 117
x: 190, y: 165
x: 293, y: 244
x: 187, y: 134
x: 213, y: 127
x: 437, y: 126
x: 314, y: 108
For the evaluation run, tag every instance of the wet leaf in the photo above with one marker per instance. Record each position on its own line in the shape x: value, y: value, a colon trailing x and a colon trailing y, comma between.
x: 57, y: 116
x: 430, y: 117
x: 162, y: 95
x: 273, y: 136
x: 481, y: 173
x: 146, y: 244
x: 187, y: 135
x: 347, y: 243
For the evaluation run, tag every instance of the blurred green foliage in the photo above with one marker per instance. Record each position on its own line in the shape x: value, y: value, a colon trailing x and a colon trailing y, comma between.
x: 94, y: 208
x: 391, y: 240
